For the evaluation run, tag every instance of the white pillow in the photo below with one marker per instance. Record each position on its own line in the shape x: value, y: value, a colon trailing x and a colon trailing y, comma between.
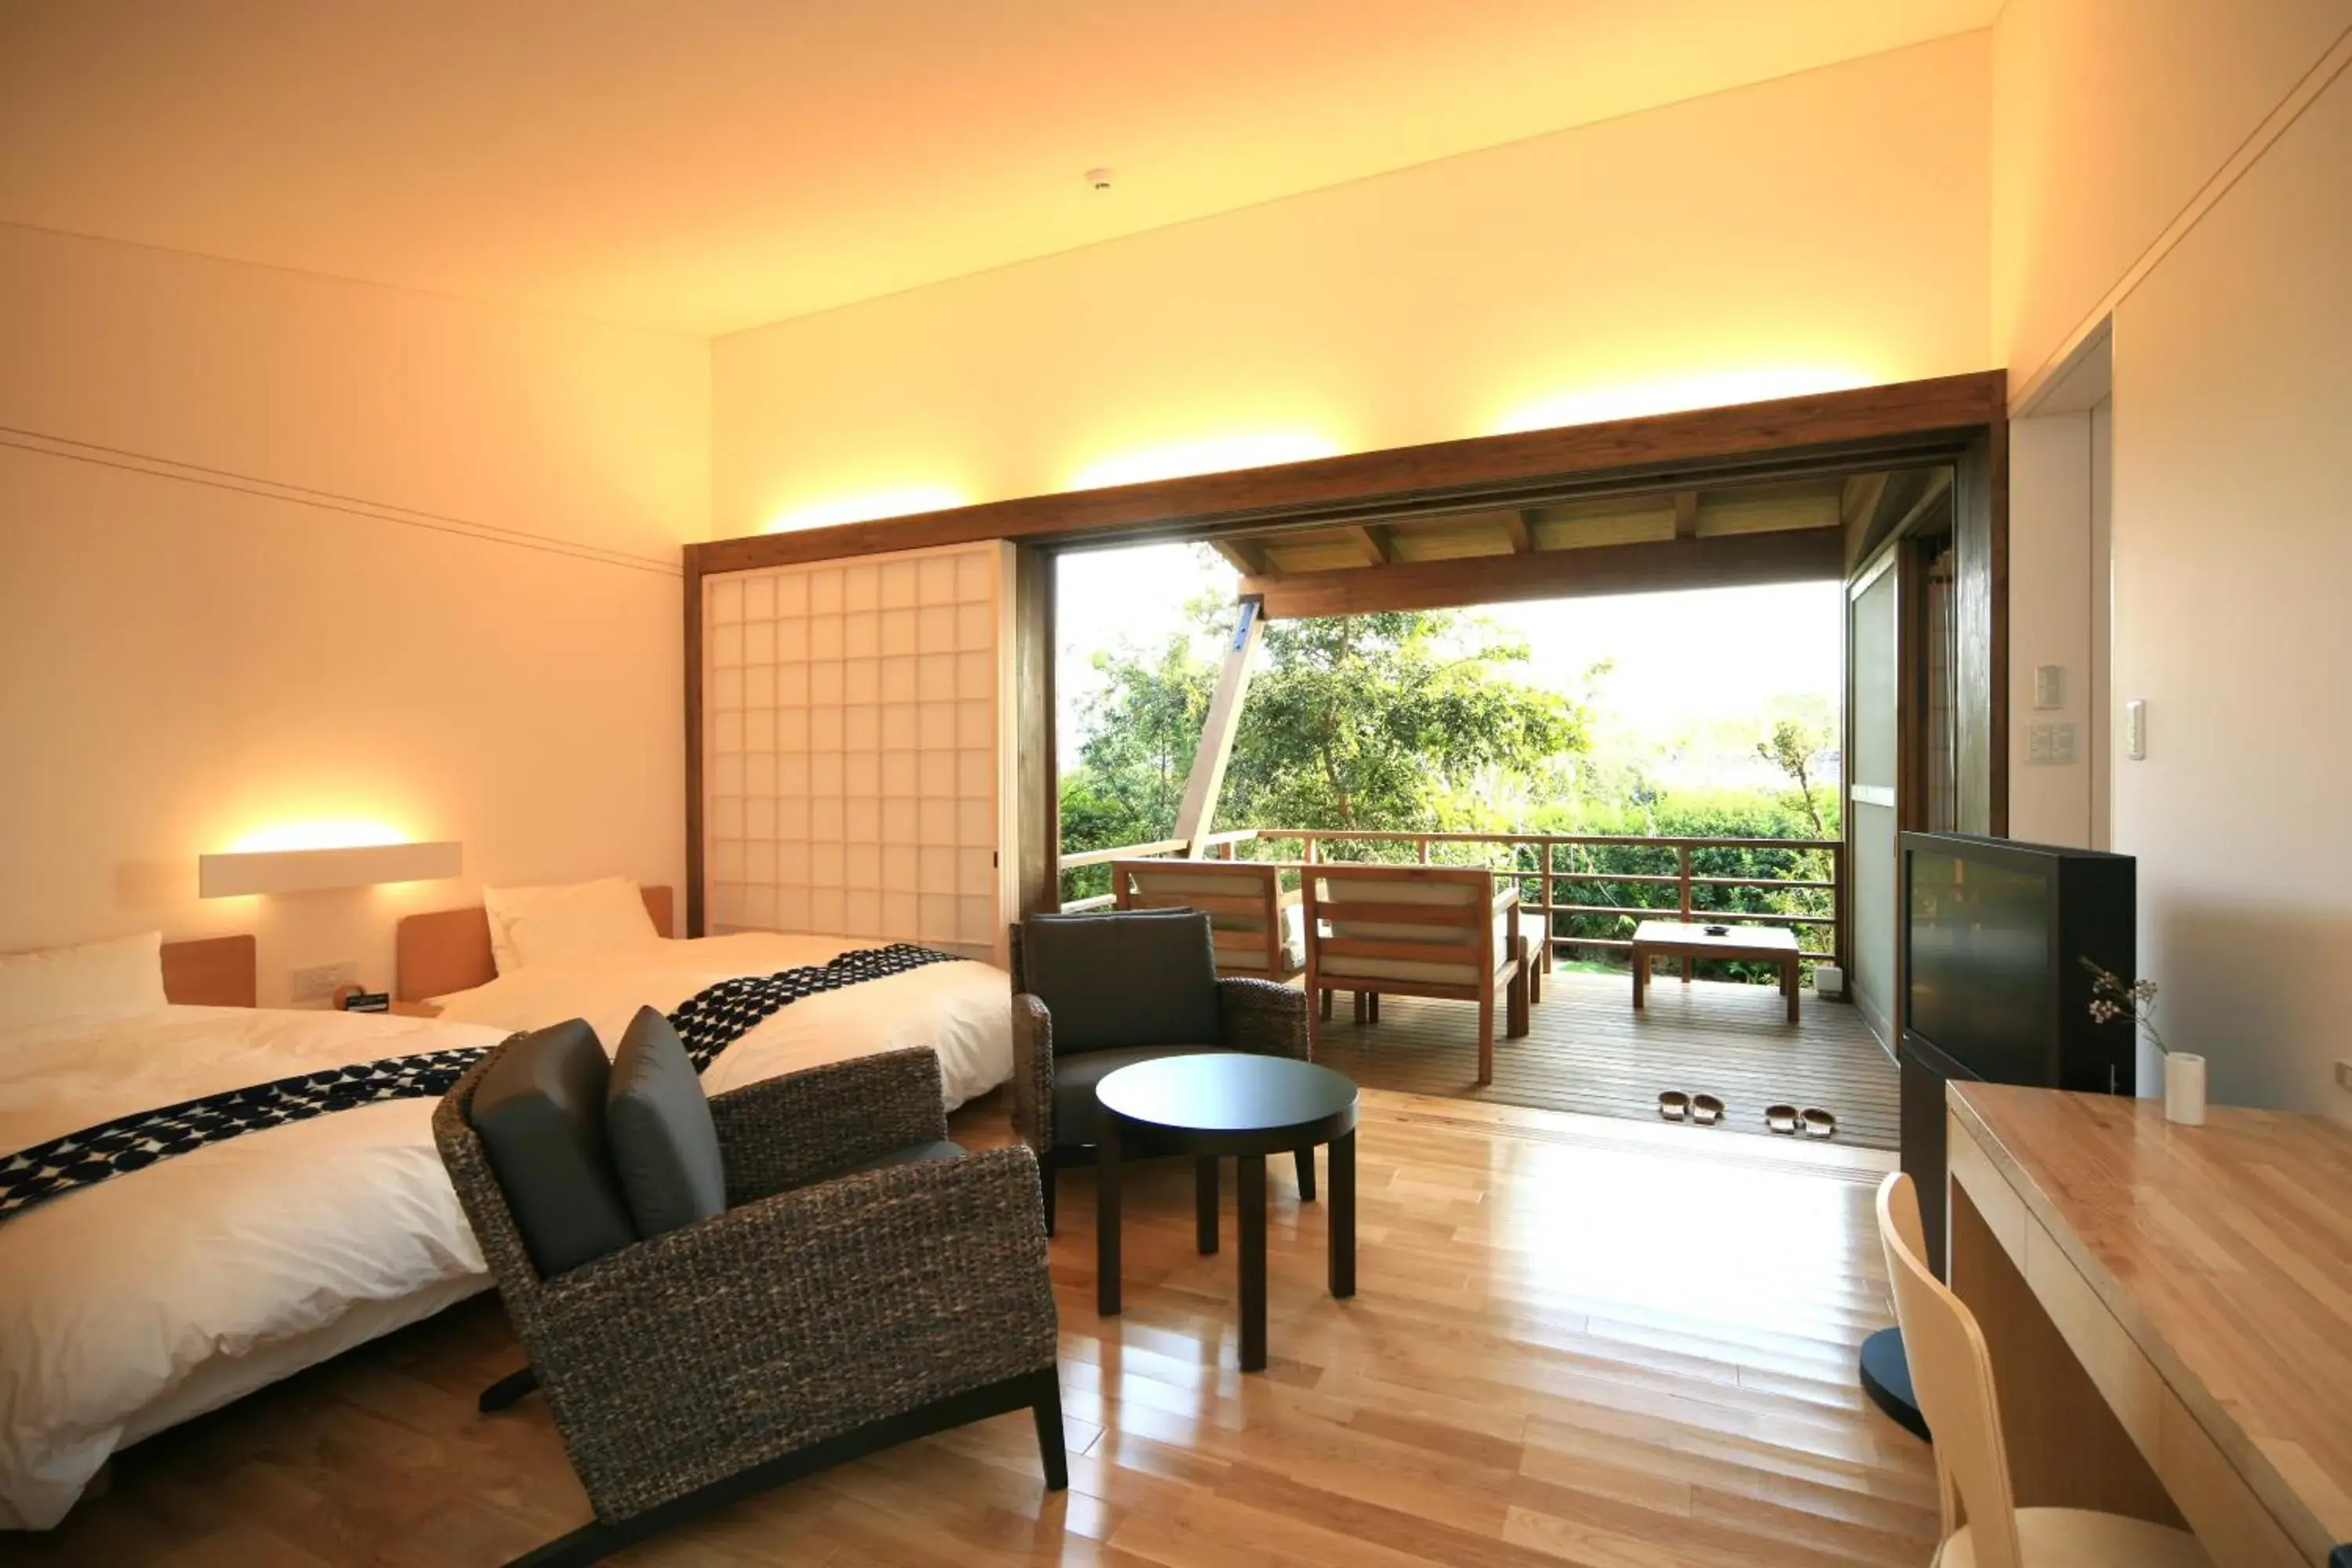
x: 96, y: 978
x: 552, y: 925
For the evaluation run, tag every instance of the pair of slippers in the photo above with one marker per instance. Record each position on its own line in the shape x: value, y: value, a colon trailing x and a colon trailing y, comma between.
x: 1812, y: 1123
x: 1702, y: 1108
x: 1706, y: 1111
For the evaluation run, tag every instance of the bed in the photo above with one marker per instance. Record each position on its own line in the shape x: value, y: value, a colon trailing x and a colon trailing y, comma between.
x: 960, y: 1010
x: 155, y: 1295
x: 159, y: 1294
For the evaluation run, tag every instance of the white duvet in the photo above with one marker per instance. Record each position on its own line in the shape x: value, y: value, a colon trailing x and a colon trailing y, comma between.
x: 149, y: 1299
x: 964, y: 1010
x: 159, y: 1294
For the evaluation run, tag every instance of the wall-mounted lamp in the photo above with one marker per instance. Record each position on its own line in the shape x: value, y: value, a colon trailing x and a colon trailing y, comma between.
x: 312, y: 870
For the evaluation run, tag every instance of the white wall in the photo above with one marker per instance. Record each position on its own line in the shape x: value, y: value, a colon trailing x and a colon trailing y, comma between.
x: 2233, y: 548
x: 2108, y: 118
x: 1824, y: 229
x: 2050, y: 599
x: 277, y: 550
x: 2227, y: 540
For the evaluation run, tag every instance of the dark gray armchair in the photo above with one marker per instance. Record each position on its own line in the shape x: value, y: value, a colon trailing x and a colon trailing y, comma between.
x: 1095, y: 993
x: 863, y: 1283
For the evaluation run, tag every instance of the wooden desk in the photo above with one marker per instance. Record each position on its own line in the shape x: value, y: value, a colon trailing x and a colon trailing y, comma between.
x: 2168, y: 1310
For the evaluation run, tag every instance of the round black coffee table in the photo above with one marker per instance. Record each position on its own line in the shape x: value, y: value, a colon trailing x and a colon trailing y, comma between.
x: 1222, y: 1103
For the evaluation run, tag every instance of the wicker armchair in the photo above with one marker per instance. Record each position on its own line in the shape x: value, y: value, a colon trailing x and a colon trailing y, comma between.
x: 1253, y: 1016
x: 814, y: 1320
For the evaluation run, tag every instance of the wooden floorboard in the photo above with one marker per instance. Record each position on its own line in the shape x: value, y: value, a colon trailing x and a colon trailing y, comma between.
x: 1574, y: 1340
x: 1589, y: 1052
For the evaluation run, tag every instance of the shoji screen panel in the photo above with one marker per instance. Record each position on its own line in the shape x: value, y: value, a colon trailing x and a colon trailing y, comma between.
x: 857, y: 775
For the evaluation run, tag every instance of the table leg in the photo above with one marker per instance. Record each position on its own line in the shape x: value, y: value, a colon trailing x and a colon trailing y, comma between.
x: 1107, y: 1217
x: 1789, y: 986
x: 1204, y: 1202
x: 1342, y: 1174
x: 1249, y: 1171
x: 1641, y: 976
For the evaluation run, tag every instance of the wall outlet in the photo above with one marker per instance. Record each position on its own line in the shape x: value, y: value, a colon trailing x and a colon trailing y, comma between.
x: 319, y: 981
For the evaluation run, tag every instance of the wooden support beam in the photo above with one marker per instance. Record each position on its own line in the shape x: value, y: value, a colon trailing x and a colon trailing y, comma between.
x: 1519, y: 527
x: 1372, y: 542
x: 1246, y: 555
x: 1217, y: 749
x: 1902, y: 413
x: 1860, y: 497
x: 1686, y: 514
x: 1796, y: 555
x: 1939, y: 484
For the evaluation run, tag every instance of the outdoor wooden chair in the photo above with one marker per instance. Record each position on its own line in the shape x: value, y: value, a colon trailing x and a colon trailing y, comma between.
x: 1418, y: 930
x: 1259, y: 930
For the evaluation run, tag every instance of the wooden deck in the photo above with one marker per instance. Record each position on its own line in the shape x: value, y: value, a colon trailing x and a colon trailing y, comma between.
x: 1589, y: 1052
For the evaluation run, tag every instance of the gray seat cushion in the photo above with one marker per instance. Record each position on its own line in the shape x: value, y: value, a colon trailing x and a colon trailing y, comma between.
x: 658, y: 1124
x: 912, y: 1154
x: 1077, y: 1114
x: 539, y: 1113
x: 1117, y: 981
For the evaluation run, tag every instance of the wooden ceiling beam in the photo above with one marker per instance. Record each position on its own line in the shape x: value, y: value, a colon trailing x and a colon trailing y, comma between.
x: 1686, y: 514
x: 1797, y: 556
x: 1372, y: 542
x: 1401, y: 479
x: 1519, y: 528
x: 1246, y: 556
x: 1938, y: 483
x: 1860, y: 497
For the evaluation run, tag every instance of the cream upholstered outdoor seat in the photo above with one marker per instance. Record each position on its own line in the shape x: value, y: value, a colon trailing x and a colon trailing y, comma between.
x: 1419, y: 931
x: 1259, y: 930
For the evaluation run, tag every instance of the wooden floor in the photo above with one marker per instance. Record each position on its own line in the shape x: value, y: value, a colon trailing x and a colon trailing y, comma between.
x: 1574, y: 1342
x: 1589, y: 1052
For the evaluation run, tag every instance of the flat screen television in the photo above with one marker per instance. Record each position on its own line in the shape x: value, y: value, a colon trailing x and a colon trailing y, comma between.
x: 1993, y: 937
x: 1995, y: 934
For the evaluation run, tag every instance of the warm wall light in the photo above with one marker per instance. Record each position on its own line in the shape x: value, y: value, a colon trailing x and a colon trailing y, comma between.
x: 1713, y: 390
x: 868, y: 506
x: 311, y: 870
x: 1219, y: 456
x: 319, y: 833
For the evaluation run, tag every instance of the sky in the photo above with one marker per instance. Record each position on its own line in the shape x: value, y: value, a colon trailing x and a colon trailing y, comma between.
x: 1683, y: 662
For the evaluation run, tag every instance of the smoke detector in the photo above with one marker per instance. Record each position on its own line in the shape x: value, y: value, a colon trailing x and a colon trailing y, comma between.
x: 1100, y: 179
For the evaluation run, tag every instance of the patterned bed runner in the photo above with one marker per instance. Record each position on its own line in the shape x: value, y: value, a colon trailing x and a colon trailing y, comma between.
x: 707, y: 1022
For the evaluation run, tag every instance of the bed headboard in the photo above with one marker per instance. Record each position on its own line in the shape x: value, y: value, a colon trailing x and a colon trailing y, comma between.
x: 214, y: 972
x: 449, y: 949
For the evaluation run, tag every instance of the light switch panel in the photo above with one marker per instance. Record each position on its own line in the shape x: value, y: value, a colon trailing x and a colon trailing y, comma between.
x: 2049, y: 686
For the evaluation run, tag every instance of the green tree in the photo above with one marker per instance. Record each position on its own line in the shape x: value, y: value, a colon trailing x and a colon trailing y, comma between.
x: 1407, y: 720
x: 1794, y: 748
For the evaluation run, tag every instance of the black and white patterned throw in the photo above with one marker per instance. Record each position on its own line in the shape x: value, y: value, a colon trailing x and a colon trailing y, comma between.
x: 708, y: 1022
x: 717, y: 1016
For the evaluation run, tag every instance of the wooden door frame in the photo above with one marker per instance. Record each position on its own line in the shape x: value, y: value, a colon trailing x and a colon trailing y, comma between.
x: 1906, y: 423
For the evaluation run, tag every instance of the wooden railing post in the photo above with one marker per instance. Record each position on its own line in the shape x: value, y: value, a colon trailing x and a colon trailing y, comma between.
x: 1683, y: 871
x: 1544, y: 848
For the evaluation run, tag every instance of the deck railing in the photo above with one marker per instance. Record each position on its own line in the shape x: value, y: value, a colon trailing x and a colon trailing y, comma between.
x: 1610, y: 879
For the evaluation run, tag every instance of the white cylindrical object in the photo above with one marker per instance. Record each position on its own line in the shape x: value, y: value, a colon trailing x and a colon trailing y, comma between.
x: 2184, y: 1089
x: 1829, y: 980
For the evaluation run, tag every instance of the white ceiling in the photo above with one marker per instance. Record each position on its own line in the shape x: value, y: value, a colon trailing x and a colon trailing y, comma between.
x: 706, y: 165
